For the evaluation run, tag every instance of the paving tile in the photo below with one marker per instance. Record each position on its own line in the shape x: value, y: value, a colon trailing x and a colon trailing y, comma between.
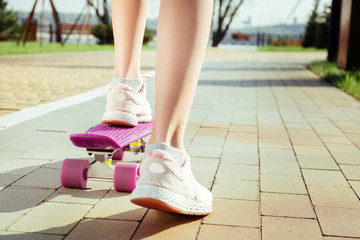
x: 356, y: 186
x: 213, y: 132
x: 335, y: 139
x: 302, y: 126
x: 208, y: 141
x: 42, y: 153
x: 328, y: 196
x: 343, y: 222
x: 204, y: 170
x: 278, y: 228
x: 29, y: 236
x: 237, y: 171
x: 317, y: 162
x: 236, y: 189
x: 352, y: 172
x: 304, y: 137
x: 286, y: 205
x: 283, y: 143
x: 241, y: 138
x: 51, y: 217
x: 20, y: 166
x: 272, y: 154
x: 355, y: 138
x: 324, y: 178
x: 243, y: 128
x: 280, y: 168
x: 204, y: 151
x: 344, y: 153
x: 245, y: 156
x: 282, y: 184
x: 161, y: 225
x: 120, y: 208
x: 234, y: 213
x: 15, y: 201
x: 7, y: 179
x: 226, y: 232
x: 340, y: 238
x: 94, y: 191
x: 311, y: 150
x: 102, y: 229
x: 42, y: 177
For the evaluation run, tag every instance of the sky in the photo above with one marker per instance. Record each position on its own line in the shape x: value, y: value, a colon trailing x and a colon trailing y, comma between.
x: 261, y: 12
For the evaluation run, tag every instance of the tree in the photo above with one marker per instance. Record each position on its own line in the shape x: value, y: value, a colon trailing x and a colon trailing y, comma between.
x: 104, y: 18
x: 226, y: 11
x: 9, y: 26
x: 316, y: 33
x: 322, y: 30
x: 311, y: 27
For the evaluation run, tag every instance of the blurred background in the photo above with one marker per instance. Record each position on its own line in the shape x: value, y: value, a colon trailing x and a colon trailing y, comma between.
x: 256, y: 22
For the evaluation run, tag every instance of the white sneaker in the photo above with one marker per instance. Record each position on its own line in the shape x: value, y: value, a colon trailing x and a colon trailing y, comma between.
x: 165, y: 186
x: 126, y: 107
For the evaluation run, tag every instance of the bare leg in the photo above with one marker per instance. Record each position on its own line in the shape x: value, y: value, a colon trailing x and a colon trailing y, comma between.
x: 128, y: 19
x: 183, y: 32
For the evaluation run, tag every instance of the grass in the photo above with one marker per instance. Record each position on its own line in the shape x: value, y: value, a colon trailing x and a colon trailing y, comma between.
x: 288, y: 49
x: 10, y: 48
x: 348, y: 81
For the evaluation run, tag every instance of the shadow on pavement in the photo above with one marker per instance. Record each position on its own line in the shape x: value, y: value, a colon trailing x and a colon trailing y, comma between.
x: 153, y: 223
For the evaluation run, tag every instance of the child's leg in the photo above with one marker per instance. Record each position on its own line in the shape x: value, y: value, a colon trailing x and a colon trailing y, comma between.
x: 183, y: 32
x: 126, y: 101
x: 166, y: 181
x: 128, y: 20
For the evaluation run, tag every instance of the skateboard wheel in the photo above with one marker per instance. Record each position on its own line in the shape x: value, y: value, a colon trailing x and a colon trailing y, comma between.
x: 73, y: 173
x: 135, y: 146
x: 125, y: 176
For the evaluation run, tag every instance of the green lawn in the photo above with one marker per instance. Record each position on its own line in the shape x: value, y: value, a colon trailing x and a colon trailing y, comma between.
x: 348, y: 81
x: 288, y: 49
x: 10, y: 48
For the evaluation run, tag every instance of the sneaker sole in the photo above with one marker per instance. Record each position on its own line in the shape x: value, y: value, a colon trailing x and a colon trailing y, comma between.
x: 161, y: 199
x: 124, y: 119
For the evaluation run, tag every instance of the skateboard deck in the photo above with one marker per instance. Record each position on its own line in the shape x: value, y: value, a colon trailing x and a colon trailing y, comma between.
x: 107, y: 143
x: 107, y: 137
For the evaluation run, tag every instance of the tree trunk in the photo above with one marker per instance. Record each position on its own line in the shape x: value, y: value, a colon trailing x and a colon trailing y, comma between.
x: 217, y: 37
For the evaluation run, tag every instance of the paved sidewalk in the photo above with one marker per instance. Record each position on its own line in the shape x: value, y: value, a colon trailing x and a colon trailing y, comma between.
x: 29, y: 80
x: 278, y: 147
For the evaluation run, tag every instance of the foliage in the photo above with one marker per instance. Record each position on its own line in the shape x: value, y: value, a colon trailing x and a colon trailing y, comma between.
x: 288, y: 48
x: 9, y: 26
x: 226, y: 11
x: 148, y: 36
x: 316, y: 32
x: 323, y: 26
x: 310, y: 31
x: 103, y: 33
x: 348, y: 81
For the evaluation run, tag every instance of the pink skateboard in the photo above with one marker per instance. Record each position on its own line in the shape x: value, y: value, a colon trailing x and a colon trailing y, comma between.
x: 107, y: 143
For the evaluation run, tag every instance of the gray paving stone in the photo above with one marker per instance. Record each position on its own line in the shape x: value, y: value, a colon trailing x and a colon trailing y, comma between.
x: 102, y: 229
x: 42, y: 178
x: 16, y: 201
x: 7, y: 179
x: 10, y: 235
x: 117, y: 206
x: 52, y: 218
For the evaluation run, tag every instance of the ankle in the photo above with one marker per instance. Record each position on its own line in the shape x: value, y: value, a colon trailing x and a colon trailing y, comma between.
x: 178, y: 154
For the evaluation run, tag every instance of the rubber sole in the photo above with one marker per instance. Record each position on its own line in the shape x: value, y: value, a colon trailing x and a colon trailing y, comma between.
x: 164, y: 200
x: 124, y: 119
